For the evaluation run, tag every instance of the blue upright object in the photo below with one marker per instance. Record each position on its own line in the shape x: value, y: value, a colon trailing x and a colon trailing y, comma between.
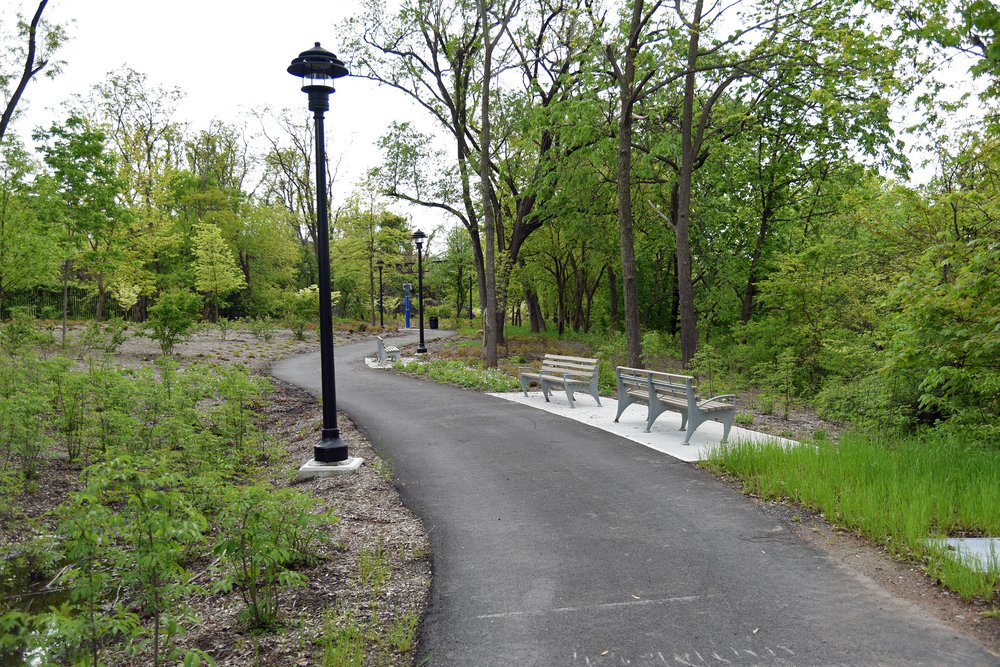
x: 406, y: 297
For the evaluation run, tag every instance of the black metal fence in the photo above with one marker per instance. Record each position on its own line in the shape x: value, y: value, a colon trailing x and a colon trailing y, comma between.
x: 46, y: 304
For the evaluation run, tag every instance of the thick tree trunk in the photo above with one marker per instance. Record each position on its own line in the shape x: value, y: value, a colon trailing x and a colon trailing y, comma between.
x: 758, y: 250
x: 685, y: 285
x: 630, y: 283
x: 536, y: 320
x: 490, y: 324
x: 102, y: 299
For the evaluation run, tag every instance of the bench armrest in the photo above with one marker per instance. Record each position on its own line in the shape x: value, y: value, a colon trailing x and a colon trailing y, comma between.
x: 722, y: 398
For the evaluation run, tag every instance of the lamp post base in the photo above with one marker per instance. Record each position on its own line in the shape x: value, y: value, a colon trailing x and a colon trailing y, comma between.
x: 314, y: 469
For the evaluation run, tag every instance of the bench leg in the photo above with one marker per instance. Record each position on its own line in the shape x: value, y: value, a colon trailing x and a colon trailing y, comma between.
x: 569, y: 395
x: 727, y: 424
x: 524, y: 385
x: 545, y: 390
x: 622, y: 404
x: 693, y: 425
x: 652, y: 413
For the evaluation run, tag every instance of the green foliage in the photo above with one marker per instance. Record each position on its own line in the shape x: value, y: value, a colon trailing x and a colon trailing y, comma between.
x: 100, y: 340
x: 948, y: 329
x: 301, y: 308
x: 263, y: 328
x: 264, y: 534
x: 343, y: 642
x: 173, y: 317
x: 216, y: 272
x: 458, y: 373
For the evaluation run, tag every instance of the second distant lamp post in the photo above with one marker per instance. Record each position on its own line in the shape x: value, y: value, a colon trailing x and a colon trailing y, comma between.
x: 318, y: 68
x: 381, y: 319
x: 418, y: 239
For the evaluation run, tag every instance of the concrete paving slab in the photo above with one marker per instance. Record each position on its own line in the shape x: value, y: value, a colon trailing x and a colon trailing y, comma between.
x: 665, y: 436
x: 983, y: 553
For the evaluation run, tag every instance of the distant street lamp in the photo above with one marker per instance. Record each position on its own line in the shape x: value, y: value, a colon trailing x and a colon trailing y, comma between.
x: 381, y: 320
x: 317, y: 68
x: 418, y: 238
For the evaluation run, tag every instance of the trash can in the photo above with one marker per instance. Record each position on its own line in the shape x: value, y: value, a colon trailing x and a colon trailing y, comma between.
x: 433, y: 321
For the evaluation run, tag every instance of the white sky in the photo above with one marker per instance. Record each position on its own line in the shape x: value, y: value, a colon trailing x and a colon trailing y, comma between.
x: 227, y: 56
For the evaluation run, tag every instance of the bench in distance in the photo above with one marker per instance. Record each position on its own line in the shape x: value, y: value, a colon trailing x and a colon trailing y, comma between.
x: 385, y: 353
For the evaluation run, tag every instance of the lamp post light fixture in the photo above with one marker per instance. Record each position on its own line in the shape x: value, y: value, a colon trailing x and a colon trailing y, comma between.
x: 381, y: 319
x: 418, y: 238
x: 318, y: 68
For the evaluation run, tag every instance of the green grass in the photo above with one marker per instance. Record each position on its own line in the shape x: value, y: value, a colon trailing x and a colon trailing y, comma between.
x: 897, y: 491
x: 459, y: 373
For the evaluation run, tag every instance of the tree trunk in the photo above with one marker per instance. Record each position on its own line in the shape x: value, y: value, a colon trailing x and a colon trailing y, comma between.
x: 102, y: 298
x: 685, y: 285
x: 489, y: 217
x: 630, y: 283
x: 29, y: 72
x: 758, y: 249
x: 536, y: 319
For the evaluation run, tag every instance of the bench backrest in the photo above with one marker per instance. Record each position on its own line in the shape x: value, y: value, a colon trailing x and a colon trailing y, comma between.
x: 665, y: 385
x: 556, y: 363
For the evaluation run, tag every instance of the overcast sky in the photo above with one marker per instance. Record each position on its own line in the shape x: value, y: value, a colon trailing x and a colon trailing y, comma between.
x: 227, y: 56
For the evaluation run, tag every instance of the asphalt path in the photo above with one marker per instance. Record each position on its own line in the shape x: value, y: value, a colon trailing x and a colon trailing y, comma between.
x: 555, y: 543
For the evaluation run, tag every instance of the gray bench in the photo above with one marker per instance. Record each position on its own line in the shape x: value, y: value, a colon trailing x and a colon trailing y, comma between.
x: 385, y: 353
x: 667, y: 391
x: 573, y: 374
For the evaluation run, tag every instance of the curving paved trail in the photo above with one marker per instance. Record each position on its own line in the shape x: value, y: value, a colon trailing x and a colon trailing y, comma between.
x: 558, y: 544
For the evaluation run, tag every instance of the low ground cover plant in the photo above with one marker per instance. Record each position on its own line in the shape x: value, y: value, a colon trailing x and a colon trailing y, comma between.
x: 169, y: 459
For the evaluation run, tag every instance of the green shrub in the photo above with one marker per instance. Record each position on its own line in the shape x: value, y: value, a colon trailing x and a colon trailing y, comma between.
x: 301, y: 308
x: 173, y: 317
x: 264, y: 534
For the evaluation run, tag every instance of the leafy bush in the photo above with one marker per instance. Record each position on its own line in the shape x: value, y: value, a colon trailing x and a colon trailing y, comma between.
x: 173, y: 317
x: 301, y: 308
x: 264, y: 534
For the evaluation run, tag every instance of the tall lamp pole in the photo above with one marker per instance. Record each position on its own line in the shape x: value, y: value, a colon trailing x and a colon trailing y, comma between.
x: 381, y: 319
x: 317, y: 68
x: 418, y: 238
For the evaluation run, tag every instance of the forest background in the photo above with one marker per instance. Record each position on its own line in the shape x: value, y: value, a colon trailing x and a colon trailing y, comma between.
x: 723, y: 183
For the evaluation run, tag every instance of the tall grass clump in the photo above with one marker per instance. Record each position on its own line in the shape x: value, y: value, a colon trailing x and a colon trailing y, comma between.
x: 899, y: 491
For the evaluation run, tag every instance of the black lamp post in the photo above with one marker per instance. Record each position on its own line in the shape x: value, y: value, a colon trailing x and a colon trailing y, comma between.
x: 317, y: 68
x: 381, y: 320
x: 418, y: 238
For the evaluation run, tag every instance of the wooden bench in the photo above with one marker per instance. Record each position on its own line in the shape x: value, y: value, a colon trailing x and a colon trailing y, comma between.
x: 573, y: 374
x: 385, y: 353
x: 667, y: 391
